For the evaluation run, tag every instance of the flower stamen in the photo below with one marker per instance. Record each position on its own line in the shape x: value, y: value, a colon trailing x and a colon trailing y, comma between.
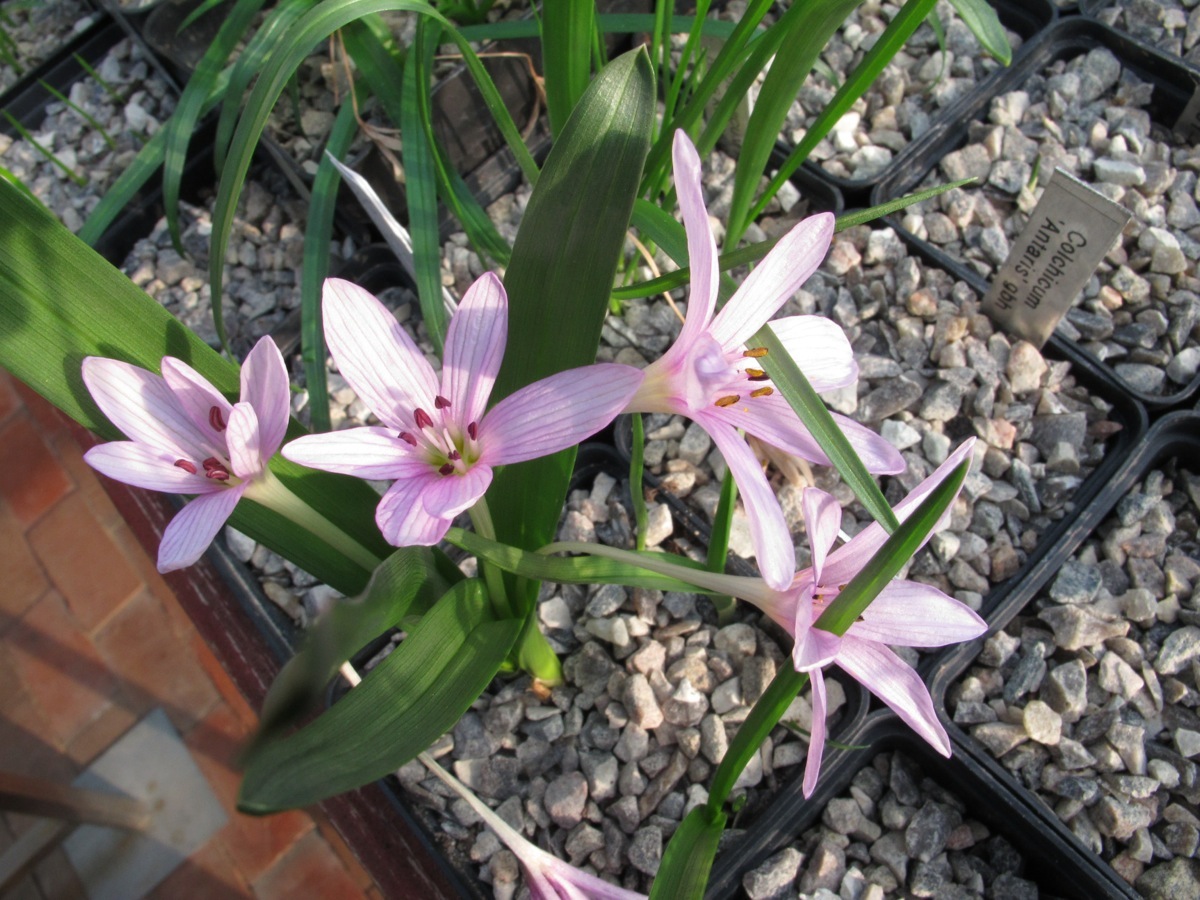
x: 473, y: 430
x: 440, y: 402
x: 755, y: 352
x: 188, y: 467
x: 762, y: 392
x: 757, y: 375
x: 422, y: 418
x: 215, y: 419
x: 728, y: 401
x: 446, y: 469
x: 408, y: 438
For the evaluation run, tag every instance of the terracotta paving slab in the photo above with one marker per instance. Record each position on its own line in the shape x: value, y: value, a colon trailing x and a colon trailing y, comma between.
x: 91, y: 639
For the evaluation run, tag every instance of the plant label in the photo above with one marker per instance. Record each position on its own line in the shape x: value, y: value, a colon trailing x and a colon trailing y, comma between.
x: 1188, y: 124
x: 1071, y: 229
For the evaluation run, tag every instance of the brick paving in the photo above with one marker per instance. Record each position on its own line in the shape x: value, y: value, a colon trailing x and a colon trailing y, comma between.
x: 92, y: 639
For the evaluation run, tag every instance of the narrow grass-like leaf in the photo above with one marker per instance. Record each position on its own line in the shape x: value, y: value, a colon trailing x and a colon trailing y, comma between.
x: 313, y: 27
x: 981, y: 18
x: 807, y: 27
x: 83, y: 113
x: 687, y: 861
x: 41, y: 148
x: 60, y: 301
x: 874, y: 61
x: 790, y: 381
x: 406, y: 583
x: 567, y: 29
x: 864, y: 587
x: 317, y: 235
x: 574, y: 569
x: 687, y: 64
x: 406, y: 703
x: 606, y: 23
x: 636, y: 473
x: 196, y: 13
x: 562, y: 269
x: 182, y: 124
x: 420, y: 182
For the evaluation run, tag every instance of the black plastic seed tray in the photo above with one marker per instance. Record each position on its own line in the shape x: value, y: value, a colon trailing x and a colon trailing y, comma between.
x: 1025, y: 17
x: 1066, y: 39
x: 1175, y: 436
x: 1053, y: 863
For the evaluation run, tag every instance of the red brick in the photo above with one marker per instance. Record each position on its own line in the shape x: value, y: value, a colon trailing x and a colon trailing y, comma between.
x: 156, y: 667
x: 24, y: 580
x: 253, y: 843
x: 9, y: 401
x: 101, y: 734
x: 31, y: 479
x: 59, y: 668
x: 310, y: 869
x: 89, y: 482
x: 84, y: 562
x: 206, y: 875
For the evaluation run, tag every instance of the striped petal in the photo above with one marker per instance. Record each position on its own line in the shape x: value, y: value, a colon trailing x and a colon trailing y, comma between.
x: 821, y: 349
x: 475, y: 348
x: 370, y: 452
x: 702, y: 249
x: 911, y: 614
x: 266, y: 387
x: 194, y: 527
x: 143, y: 406
x: 446, y: 496
x: 146, y: 467
x: 816, y: 740
x: 402, y: 517
x: 199, y: 398
x: 244, y: 439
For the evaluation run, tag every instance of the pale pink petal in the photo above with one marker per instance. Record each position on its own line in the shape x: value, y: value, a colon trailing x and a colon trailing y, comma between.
x: 570, y: 883
x: 769, y: 531
x: 773, y: 281
x: 820, y: 348
x: 816, y: 741
x: 886, y: 676
x: 555, y: 412
x: 265, y: 386
x: 823, y: 519
x: 198, y: 398
x: 193, y: 529
x: 146, y: 467
x: 244, y: 439
x: 474, y: 349
x: 773, y: 420
x: 372, y: 453
x: 814, y: 649
x: 142, y: 406
x: 448, y: 495
x: 702, y: 249
x: 401, y: 514
x: 911, y: 614
x: 385, y: 368
x: 845, y: 562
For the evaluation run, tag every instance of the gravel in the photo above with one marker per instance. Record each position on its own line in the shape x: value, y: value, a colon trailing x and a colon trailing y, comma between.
x: 1169, y: 25
x: 142, y: 102
x: 894, y: 832
x: 1089, y: 116
x: 1105, y: 729
x: 903, y: 101
x: 35, y: 32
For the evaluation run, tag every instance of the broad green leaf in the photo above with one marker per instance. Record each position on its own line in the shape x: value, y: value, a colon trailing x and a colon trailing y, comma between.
x: 407, y: 583
x: 661, y: 227
x: 787, y: 377
x: 317, y: 235
x: 864, y: 75
x: 562, y: 270
x: 897, y: 550
x: 576, y: 569
x: 808, y: 27
x: 683, y: 872
x: 60, y: 301
x: 608, y: 23
x: 979, y: 16
x: 406, y: 703
x: 567, y: 28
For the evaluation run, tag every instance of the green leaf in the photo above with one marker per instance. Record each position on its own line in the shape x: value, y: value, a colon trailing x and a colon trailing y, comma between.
x: 683, y: 872
x: 808, y: 27
x: 406, y: 703
x: 60, y: 301
x: 317, y: 235
x: 979, y: 16
x: 898, y: 31
x: 809, y: 406
x: 406, y: 583
x: 576, y: 569
x: 567, y: 28
x: 562, y: 270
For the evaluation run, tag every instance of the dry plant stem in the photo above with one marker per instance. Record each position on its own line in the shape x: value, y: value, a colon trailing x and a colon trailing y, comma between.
x: 653, y: 267
x: 539, y: 83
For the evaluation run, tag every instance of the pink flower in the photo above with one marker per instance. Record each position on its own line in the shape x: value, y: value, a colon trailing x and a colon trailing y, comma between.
x: 906, y: 614
x: 546, y: 876
x: 186, y: 438
x: 439, y: 443
x: 708, y: 375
